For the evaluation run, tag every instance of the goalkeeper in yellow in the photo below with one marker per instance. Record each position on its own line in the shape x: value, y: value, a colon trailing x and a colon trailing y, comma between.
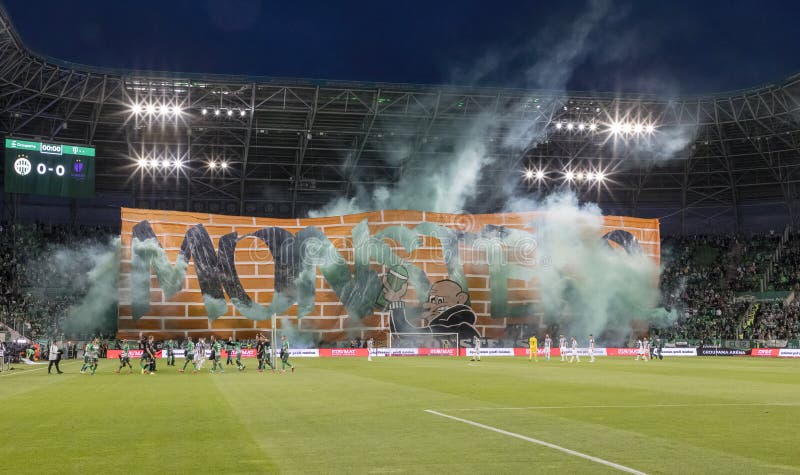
x: 534, y: 350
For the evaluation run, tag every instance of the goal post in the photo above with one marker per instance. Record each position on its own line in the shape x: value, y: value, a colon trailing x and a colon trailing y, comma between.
x: 423, y: 340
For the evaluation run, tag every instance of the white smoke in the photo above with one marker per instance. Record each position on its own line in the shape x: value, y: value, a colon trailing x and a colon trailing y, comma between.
x: 430, y: 185
x: 586, y: 285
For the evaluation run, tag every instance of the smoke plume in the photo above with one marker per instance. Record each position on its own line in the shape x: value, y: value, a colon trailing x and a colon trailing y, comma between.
x: 85, y: 274
x: 588, y: 284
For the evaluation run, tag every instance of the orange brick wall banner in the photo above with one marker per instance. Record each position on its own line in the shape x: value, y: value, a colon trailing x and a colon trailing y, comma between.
x: 403, y: 271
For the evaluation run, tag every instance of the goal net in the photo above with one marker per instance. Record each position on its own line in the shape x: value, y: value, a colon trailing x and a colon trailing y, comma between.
x: 423, y: 340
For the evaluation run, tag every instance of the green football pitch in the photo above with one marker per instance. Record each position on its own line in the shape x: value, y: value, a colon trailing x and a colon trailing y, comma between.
x: 408, y: 415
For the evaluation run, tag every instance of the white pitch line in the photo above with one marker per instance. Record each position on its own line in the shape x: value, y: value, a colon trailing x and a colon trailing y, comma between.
x: 22, y: 372
x: 540, y: 442
x: 26, y: 371
x: 624, y: 406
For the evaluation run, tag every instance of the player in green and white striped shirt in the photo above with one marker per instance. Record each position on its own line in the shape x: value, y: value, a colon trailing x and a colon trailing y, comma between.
x: 189, y: 355
x: 170, y: 349
x: 125, y: 357
x: 85, y: 357
x: 216, y: 354
x: 237, y: 346
x: 285, y: 355
x: 94, y: 353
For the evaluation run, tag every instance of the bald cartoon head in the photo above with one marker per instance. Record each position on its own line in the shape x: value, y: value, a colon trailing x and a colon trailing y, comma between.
x: 444, y: 294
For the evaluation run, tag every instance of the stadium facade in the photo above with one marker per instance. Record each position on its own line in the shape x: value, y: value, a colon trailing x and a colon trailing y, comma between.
x: 720, y: 162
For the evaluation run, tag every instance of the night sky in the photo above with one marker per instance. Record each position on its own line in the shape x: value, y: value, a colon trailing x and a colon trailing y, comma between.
x: 662, y: 47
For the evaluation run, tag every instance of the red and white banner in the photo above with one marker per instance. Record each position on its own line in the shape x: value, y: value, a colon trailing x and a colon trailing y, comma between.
x: 115, y: 353
x: 468, y: 352
x: 539, y: 351
x: 438, y: 352
x: 338, y: 352
x: 765, y: 352
x: 622, y: 351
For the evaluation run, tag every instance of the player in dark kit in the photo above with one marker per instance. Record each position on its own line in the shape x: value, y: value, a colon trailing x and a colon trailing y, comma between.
x: 229, y: 347
x: 264, y: 354
x: 148, y: 356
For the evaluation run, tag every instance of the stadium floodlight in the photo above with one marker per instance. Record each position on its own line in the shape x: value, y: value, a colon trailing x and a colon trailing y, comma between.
x: 650, y: 128
x: 569, y: 175
x: 242, y: 113
x: 581, y: 126
x: 204, y: 111
x: 141, y: 162
x: 212, y: 164
x: 558, y: 125
x: 529, y: 174
x: 580, y: 176
x: 600, y: 176
x: 173, y: 163
x: 164, y: 164
x: 177, y: 110
x: 627, y: 127
x: 136, y: 108
x: 570, y: 126
x: 539, y: 175
x: 638, y: 128
x: 224, y: 165
x: 150, y: 108
x: 615, y: 128
x: 230, y: 112
x: 592, y: 126
x: 216, y: 111
x: 590, y: 176
x: 152, y: 163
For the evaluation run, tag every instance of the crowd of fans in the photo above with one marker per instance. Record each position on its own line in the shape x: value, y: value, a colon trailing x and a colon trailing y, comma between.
x: 38, y: 283
x: 786, y: 269
x: 712, y: 283
x: 702, y: 282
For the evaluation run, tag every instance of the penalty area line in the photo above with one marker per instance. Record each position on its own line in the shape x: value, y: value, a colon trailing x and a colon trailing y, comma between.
x: 574, y: 453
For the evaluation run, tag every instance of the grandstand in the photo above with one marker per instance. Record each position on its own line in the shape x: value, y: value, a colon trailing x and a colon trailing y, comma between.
x: 723, y: 163
x: 412, y: 333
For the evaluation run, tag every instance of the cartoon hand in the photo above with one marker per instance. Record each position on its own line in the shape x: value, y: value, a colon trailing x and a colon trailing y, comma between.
x: 390, y: 294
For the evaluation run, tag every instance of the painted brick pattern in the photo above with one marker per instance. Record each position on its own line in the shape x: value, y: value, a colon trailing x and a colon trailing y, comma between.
x: 184, y: 313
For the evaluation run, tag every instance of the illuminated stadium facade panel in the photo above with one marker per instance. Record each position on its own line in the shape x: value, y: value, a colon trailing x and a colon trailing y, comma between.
x: 291, y: 145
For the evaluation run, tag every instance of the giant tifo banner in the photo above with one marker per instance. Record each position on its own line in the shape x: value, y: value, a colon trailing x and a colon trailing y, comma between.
x: 186, y: 274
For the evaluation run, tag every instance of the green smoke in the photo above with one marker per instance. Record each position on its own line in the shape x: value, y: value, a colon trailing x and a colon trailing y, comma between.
x: 85, y: 274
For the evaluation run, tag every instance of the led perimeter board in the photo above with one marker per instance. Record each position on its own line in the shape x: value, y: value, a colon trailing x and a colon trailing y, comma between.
x: 52, y: 169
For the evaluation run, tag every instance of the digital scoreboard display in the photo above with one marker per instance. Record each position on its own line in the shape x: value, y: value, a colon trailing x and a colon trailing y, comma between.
x: 52, y: 169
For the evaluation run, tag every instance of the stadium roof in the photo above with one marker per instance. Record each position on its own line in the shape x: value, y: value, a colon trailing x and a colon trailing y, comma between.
x: 291, y: 145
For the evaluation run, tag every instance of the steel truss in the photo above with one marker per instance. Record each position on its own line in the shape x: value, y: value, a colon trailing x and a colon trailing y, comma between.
x: 300, y: 142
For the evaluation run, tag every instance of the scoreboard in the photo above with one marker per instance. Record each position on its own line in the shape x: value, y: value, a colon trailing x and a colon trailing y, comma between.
x: 51, y: 169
